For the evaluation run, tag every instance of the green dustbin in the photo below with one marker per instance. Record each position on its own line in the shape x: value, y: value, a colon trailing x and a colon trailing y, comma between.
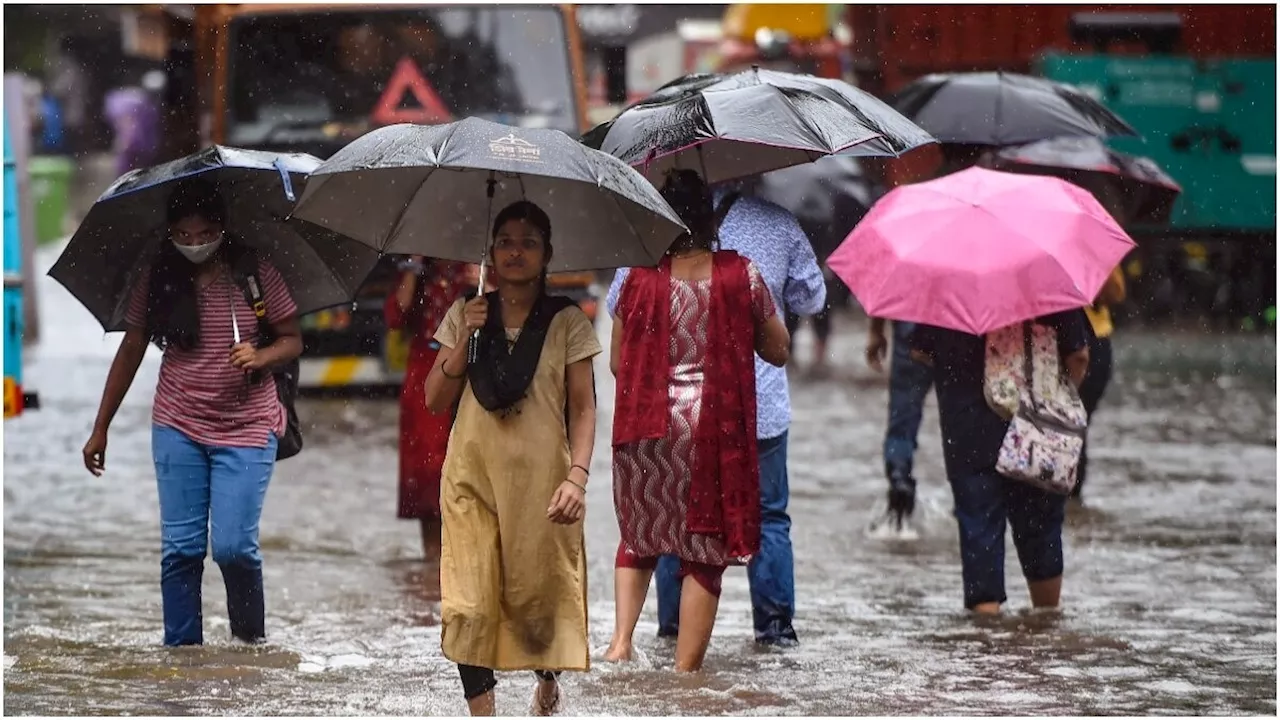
x: 50, y: 193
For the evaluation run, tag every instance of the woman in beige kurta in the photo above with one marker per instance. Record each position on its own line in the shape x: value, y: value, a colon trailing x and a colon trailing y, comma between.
x: 513, y: 566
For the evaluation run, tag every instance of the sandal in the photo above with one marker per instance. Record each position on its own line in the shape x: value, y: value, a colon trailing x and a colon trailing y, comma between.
x: 541, y: 707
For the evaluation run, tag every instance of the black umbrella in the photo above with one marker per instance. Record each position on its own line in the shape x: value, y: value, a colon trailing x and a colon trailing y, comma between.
x: 432, y: 190
x: 752, y: 122
x: 999, y: 108
x: 125, y: 227
x: 1142, y: 192
x: 828, y: 197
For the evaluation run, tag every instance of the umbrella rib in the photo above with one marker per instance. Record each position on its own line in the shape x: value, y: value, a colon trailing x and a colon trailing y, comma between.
x: 306, y: 242
x: 339, y: 240
x: 405, y: 210
x: 786, y: 101
x: 617, y: 203
x: 1035, y: 240
x: 409, y: 203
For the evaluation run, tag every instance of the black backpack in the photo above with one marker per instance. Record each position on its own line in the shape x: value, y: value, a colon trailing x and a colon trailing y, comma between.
x: 286, y: 375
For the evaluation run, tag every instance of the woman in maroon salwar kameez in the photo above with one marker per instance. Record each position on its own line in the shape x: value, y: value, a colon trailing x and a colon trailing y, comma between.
x: 427, y: 290
x: 685, y: 470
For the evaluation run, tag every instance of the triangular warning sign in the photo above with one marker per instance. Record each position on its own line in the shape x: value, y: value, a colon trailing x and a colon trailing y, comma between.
x: 407, y: 77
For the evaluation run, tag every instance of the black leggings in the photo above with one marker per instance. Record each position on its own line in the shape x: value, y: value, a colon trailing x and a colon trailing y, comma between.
x: 477, y: 681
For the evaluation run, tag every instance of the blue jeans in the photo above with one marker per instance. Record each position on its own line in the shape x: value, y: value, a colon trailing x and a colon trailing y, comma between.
x: 771, y: 572
x: 985, y: 500
x: 203, y: 486
x: 909, y: 384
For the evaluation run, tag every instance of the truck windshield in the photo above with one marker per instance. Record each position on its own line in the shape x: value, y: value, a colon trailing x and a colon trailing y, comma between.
x: 301, y: 78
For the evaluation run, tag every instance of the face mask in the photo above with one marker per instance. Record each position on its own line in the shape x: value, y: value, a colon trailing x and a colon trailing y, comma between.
x: 199, y: 253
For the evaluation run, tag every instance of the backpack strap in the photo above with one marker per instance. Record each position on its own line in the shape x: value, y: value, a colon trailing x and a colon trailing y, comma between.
x: 246, y: 276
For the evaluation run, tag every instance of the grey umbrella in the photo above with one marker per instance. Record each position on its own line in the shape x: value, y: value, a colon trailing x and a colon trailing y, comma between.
x: 999, y: 108
x: 729, y: 127
x: 1133, y: 188
x: 432, y: 190
x: 120, y: 234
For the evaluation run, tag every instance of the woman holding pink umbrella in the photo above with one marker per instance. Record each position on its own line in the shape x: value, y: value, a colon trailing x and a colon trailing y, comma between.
x: 964, y: 256
x: 972, y: 435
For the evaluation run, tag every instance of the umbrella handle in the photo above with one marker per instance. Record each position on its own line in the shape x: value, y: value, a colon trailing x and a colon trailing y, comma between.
x: 473, y: 345
x: 288, y: 181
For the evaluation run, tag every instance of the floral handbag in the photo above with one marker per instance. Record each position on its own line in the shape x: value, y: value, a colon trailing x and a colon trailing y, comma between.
x: 1005, y: 376
x: 1043, y: 444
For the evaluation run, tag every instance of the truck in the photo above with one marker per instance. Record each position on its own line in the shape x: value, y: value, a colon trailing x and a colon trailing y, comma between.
x: 1210, y: 123
x: 311, y: 77
x: 1196, y: 81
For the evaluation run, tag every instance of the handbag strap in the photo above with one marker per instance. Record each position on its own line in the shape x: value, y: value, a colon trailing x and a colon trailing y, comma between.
x: 1028, y: 367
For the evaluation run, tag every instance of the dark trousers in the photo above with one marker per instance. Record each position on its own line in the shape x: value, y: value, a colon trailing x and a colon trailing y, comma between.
x: 909, y: 385
x: 987, y: 502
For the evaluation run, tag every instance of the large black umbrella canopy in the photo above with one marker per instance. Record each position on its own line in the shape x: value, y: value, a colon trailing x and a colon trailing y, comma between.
x: 1134, y: 188
x: 420, y: 189
x: 999, y: 108
x: 752, y: 122
x: 828, y: 197
x: 123, y: 230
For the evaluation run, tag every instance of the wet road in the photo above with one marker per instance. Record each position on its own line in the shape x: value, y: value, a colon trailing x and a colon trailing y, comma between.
x: 1169, y: 601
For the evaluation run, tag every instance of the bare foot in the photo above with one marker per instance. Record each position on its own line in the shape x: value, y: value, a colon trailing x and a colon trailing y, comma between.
x: 986, y: 609
x: 546, y: 699
x: 618, y: 652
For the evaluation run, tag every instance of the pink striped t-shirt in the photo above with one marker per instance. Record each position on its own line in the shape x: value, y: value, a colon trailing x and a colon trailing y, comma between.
x: 200, y: 393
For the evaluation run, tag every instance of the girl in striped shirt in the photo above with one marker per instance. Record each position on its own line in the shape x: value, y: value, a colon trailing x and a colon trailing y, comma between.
x: 216, y: 416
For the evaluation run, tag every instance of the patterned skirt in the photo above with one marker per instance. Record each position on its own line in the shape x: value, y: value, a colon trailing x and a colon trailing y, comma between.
x: 651, y: 483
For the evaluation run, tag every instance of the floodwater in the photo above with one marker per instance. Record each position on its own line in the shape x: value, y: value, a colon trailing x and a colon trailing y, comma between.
x: 1169, y: 601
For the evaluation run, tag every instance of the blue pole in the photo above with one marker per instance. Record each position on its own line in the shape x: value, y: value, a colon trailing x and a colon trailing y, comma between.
x: 13, y: 287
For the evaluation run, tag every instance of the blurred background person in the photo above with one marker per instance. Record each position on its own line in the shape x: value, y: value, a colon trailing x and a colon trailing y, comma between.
x: 427, y: 290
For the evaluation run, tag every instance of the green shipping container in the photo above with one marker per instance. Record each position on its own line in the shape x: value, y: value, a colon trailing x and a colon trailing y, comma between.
x: 1210, y: 125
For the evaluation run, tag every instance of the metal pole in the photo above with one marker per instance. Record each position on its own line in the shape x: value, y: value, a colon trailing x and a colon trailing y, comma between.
x: 20, y: 135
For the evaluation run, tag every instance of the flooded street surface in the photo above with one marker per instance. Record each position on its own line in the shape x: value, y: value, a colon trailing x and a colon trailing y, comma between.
x: 1169, y: 599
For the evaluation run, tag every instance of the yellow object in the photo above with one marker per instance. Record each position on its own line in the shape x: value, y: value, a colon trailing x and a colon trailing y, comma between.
x: 800, y: 21
x: 340, y: 371
x: 1100, y: 319
x: 396, y: 352
x: 513, y: 584
x: 12, y: 398
x: 1100, y: 313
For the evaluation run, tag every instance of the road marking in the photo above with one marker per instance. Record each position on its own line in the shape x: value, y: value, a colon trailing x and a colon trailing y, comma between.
x: 340, y: 371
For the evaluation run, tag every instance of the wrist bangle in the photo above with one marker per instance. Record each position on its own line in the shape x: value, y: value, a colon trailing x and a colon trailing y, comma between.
x: 452, y: 377
x: 584, y: 470
x: 583, y: 488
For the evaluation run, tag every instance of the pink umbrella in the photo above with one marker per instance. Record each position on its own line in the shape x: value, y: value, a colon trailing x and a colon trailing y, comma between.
x: 979, y: 250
